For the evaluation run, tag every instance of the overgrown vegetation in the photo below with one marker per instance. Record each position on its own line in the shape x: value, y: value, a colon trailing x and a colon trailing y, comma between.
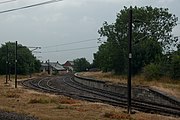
x: 156, y: 51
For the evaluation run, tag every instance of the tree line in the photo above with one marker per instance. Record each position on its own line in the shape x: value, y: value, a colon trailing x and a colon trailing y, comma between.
x: 156, y: 52
x: 26, y: 61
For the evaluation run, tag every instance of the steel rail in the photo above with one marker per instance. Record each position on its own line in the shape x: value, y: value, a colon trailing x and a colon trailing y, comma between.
x: 104, y: 96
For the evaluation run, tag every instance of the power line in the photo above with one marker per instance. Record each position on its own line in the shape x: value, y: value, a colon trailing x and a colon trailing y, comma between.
x: 71, y: 49
x: 176, y: 35
x: 29, y: 6
x: 71, y: 43
x: 7, y: 1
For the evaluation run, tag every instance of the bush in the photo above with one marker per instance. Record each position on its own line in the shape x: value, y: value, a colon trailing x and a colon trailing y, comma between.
x: 152, y: 71
x: 64, y: 107
x: 55, y: 73
x: 175, y: 67
x: 41, y: 101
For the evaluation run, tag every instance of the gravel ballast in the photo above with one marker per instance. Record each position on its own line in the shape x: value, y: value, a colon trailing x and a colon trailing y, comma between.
x: 14, y: 116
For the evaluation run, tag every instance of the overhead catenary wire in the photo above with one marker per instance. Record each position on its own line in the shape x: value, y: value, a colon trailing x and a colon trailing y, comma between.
x: 29, y: 6
x: 65, y: 50
x: 81, y: 41
x: 7, y: 1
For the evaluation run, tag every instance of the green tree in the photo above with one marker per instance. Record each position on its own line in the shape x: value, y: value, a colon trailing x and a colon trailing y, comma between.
x: 24, y: 57
x: 146, y: 52
x: 81, y: 64
x: 152, y: 29
x: 173, y: 64
x: 36, y: 65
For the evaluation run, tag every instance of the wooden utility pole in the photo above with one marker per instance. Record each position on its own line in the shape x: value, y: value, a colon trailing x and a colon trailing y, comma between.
x: 48, y: 67
x: 130, y: 59
x: 9, y: 69
x: 7, y: 63
x: 16, y: 65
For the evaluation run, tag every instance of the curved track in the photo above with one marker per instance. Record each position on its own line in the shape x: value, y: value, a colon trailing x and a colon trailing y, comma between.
x: 65, y: 85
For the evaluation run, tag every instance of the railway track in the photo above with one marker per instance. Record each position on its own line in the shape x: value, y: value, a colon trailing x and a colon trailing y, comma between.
x: 65, y: 85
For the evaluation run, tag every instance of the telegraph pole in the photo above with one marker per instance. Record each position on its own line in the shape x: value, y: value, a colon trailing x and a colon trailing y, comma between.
x: 7, y: 63
x: 130, y: 58
x: 9, y: 69
x: 30, y: 70
x: 48, y: 67
x: 16, y: 65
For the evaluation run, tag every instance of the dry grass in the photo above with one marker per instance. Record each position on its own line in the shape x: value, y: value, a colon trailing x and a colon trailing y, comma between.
x: 64, y: 107
x: 53, y: 107
x: 105, y: 76
x: 41, y: 101
x: 120, y: 116
x: 167, y: 85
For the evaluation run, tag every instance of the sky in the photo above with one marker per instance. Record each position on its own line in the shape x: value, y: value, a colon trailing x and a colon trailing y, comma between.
x: 67, y: 29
